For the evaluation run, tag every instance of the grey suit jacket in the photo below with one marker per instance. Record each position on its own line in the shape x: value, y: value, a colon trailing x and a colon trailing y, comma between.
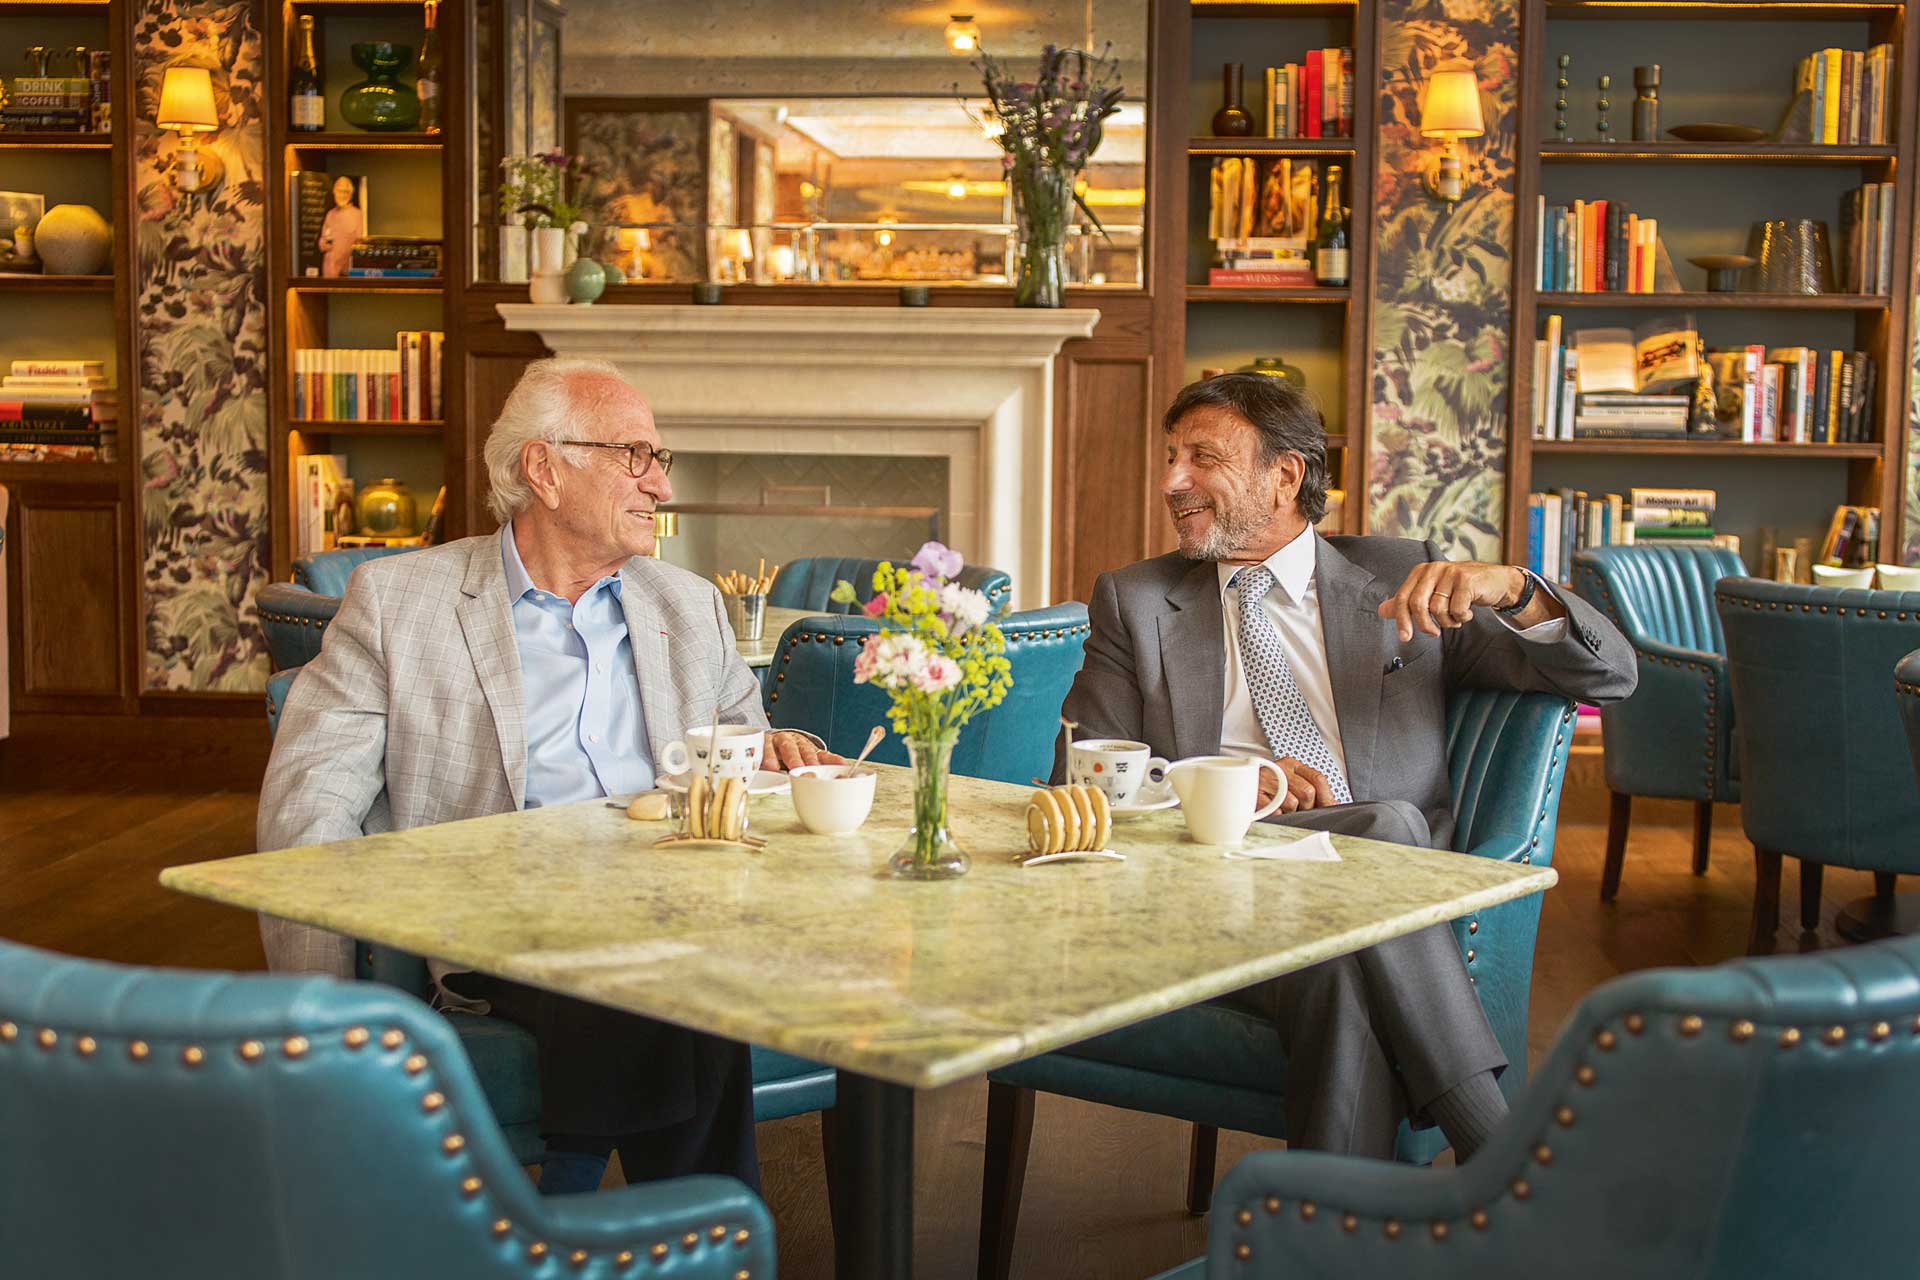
x: 1155, y: 666
x: 414, y: 711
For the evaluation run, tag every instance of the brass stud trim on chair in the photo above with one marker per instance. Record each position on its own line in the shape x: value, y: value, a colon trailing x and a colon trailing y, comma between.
x: 658, y: 1252
x: 1585, y: 1075
x: 537, y: 1250
x: 1691, y: 1025
x: 356, y: 1037
x: 1740, y: 1031
x: 1636, y: 1024
x: 1350, y: 1223
x: 624, y: 1258
x: 741, y: 1236
x: 690, y: 1241
x: 470, y: 1186
x: 1273, y: 1204
x: 138, y: 1050
x: 1836, y: 1036
x: 1244, y: 1217
x: 1790, y: 1037
x: 1520, y: 1189
x: 1243, y: 1251
x: 501, y: 1226
x: 1479, y: 1219
x: 1473, y: 927
x: 1439, y: 1231
x: 1563, y: 1116
x: 85, y: 1046
x: 295, y: 1046
x: 1306, y: 1211
x: 193, y: 1055
x: 415, y: 1064
x: 252, y: 1050
x: 9, y: 1031
x: 743, y: 1274
x: 1543, y: 1153
x: 1605, y: 1039
x: 47, y: 1038
x: 578, y: 1257
x: 453, y: 1143
x: 718, y: 1232
x: 433, y: 1101
x: 1390, y: 1229
x: 1881, y: 1031
x: 392, y: 1038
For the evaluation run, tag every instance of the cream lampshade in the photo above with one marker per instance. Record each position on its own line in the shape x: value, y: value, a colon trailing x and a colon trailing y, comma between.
x: 1450, y: 110
x: 187, y: 108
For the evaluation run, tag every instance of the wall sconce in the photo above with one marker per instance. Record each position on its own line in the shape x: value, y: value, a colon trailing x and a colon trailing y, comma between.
x: 186, y: 107
x: 963, y: 34
x: 1450, y: 110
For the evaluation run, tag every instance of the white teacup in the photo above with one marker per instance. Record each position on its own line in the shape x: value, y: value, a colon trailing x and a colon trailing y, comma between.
x: 1894, y: 577
x: 1218, y: 795
x: 830, y: 804
x: 1116, y: 766
x: 740, y: 749
x: 1826, y: 575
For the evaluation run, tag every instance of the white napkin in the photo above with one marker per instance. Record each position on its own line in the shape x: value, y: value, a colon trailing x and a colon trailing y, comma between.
x: 1314, y: 848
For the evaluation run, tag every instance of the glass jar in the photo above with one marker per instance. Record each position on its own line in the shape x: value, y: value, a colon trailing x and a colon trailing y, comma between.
x: 1276, y: 367
x: 387, y: 509
x: 381, y: 102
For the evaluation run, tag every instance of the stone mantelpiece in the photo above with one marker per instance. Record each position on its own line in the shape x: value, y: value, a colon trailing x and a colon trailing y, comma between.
x: 973, y: 385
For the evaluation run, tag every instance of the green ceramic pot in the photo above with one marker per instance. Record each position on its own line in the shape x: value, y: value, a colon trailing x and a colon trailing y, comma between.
x: 1275, y: 367
x: 585, y: 281
x: 381, y: 102
x: 387, y: 509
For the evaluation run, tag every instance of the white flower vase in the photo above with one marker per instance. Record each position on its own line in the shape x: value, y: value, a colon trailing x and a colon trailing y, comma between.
x: 549, y: 283
x: 513, y: 253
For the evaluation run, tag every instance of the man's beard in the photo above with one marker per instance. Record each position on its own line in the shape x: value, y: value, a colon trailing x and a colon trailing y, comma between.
x: 1232, y: 527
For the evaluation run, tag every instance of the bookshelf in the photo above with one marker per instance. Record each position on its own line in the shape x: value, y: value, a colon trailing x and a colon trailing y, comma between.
x: 1705, y: 196
x: 74, y: 568
x: 415, y: 188
x: 1326, y: 332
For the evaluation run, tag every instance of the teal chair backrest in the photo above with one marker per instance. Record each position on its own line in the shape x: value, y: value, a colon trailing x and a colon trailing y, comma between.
x: 1824, y: 769
x: 1752, y: 1119
x: 299, y: 1128
x: 807, y: 583
x: 812, y: 688
x: 1657, y: 593
x: 294, y: 616
x: 325, y: 573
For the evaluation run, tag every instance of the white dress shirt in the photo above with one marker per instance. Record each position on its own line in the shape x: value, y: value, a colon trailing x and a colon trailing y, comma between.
x: 1293, y: 606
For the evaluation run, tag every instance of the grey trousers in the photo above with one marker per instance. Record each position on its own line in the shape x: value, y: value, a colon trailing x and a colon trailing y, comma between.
x: 1373, y: 1037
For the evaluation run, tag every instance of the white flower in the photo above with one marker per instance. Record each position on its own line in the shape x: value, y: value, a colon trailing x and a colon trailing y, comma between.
x: 967, y: 607
x: 940, y: 674
x: 891, y: 661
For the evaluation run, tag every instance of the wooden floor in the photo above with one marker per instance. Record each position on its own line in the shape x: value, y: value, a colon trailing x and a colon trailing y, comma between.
x: 1104, y: 1190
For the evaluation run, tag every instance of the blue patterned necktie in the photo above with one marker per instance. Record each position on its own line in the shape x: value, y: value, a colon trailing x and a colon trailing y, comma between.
x: 1277, y: 700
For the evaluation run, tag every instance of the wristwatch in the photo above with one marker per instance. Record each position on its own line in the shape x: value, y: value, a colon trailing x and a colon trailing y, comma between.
x: 1526, y: 596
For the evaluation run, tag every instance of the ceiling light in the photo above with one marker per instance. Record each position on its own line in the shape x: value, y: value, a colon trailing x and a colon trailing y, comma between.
x: 963, y: 33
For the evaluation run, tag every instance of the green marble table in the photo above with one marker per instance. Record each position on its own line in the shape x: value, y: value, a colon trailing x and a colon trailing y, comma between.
x: 760, y: 653
x: 806, y: 946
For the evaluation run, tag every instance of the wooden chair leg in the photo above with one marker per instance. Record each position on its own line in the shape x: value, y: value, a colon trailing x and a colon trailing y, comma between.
x: 1618, y: 818
x: 1810, y: 895
x: 1009, y: 1135
x: 1766, y: 902
x: 1702, y: 835
x: 1883, y: 885
x: 1201, y: 1156
x: 830, y: 1159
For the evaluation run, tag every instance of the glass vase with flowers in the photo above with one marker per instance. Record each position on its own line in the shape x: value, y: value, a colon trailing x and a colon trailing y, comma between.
x: 942, y: 660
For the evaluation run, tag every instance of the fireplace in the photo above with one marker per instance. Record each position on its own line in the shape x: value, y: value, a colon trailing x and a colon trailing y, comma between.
x: 971, y: 387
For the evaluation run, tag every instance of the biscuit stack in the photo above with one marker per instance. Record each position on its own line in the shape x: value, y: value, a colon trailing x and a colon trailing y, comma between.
x: 716, y: 810
x: 1069, y: 819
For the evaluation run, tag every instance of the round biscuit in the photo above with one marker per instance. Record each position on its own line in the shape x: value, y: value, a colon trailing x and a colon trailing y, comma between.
x: 1103, y: 816
x: 1089, y: 823
x: 1049, y: 806
x: 1036, y: 829
x: 697, y: 807
x: 1070, y: 818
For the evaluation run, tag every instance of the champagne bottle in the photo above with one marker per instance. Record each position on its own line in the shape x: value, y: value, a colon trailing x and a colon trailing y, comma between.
x: 1330, y: 241
x: 427, y: 81
x: 309, y: 113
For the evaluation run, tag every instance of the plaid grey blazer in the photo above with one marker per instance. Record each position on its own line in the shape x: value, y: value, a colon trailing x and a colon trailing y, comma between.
x: 414, y: 713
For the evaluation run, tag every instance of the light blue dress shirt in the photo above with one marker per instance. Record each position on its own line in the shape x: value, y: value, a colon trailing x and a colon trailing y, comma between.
x: 586, y: 728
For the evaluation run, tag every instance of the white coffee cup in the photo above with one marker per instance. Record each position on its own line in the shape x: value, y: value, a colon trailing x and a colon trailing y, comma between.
x: 1894, y: 577
x: 1219, y: 794
x: 740, y: 749
x: 1116, y: 766
x: 828, y: 802
x: 1827, y: 575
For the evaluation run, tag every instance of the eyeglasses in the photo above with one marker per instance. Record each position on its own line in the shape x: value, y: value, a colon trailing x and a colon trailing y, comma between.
x: 640, y: 455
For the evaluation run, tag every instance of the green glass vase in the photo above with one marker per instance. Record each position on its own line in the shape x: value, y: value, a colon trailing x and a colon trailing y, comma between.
x: 929, y: 851
x: 381, y: 102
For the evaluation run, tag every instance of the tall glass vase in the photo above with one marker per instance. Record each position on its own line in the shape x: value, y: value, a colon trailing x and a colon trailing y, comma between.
x: 929, y: 852
x: 1043, y: 208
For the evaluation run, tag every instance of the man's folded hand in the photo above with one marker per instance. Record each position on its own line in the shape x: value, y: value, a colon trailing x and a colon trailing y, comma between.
x: 788, y: 750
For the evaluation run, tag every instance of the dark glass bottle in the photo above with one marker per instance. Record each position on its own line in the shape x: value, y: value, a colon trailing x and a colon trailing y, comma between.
x: 427, y: 72
x: 1330, y: 266
x: 1232, y: 120
x: 309, y: 105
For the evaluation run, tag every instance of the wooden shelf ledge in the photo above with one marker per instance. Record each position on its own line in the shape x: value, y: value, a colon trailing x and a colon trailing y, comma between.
x: 1711, y: 10
x: 1721, y: 301
x: 365, y: 284
x: 1710, y: 448
x: 55, y: 284
x: 346, y: 427
x: 357, y: 141
x: 1258, y: 293
x: 53, y: 139
x: 1762, y: 153
x: 1269, y: 146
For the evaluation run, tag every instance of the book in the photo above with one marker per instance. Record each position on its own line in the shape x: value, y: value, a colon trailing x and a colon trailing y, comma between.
x: 58, y: 368
x: 329, y: 213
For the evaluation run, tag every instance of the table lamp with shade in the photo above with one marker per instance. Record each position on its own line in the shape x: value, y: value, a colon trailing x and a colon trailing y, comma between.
x: 187, y: 108
x: 1450, y: 111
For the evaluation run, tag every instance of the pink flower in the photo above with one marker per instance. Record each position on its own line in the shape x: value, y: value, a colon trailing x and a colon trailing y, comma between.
x: 940, y: 674
x: 935, y: 561
x: 876, y: 606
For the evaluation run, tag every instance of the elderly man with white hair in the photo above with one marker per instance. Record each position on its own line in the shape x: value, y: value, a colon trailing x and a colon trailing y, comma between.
x: 539, y: 665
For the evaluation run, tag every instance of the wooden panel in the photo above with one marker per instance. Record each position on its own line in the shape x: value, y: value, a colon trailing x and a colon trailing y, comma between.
x: 68, y: 596
x: 489, y: 379
x: 1100, y: 457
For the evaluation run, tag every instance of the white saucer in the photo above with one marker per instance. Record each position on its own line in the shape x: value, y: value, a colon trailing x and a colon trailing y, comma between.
x: 765, y: 782
x: 1148, y: 800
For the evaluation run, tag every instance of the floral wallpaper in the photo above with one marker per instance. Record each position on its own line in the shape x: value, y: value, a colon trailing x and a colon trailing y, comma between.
x: 1442, y: 292
x: 201, y: 353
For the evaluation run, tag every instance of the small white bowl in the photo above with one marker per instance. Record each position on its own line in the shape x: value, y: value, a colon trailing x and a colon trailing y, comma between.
x: 1895, y: 577
x: 1826, y: 575
x: 829, y: 804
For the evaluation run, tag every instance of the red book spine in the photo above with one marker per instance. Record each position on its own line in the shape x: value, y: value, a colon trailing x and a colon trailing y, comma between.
x: 1314, y: 90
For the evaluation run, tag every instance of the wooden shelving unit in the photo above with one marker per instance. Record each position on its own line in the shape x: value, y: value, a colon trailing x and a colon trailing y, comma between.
x: 364, y: 311
x: 1338, y: 320
x: 57, y: 284
x: 1867, y: 473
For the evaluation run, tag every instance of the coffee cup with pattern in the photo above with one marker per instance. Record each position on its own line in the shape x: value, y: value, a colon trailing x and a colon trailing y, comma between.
x: 1116, y: 766
x: 740, y: 748
x: 1220, y: 795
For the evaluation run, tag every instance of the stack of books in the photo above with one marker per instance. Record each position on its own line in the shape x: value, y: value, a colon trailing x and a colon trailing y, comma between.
x: 1853, y: 537
x: 344, y: 385
x: 1849, y: 90
x: 1561, y: 523
x: 61, y: 104
x: 1672, y: 515
x: 58, y: 410
x: 1798, y: 395
x: 413, y: 257
x: 1605, y: 383
x: 1866, y: 238
x: 1312, y: 99
x: 1622, y: 415
x: 1261, y: 217
x: 1594, y: 246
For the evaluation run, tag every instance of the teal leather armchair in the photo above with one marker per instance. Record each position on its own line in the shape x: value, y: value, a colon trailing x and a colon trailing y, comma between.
x: 1825, y: 773
x: 1751, y: 1119
x: 807, y: 583
x: 812, y: 688
x: 168, y: 1124
x: 1222, y: 1068
x: 1674, y: 737
x: 294, y: 615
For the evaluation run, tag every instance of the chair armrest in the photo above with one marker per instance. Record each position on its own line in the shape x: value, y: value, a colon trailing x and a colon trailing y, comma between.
x: 668, y: 1212
x: 1673, y: 736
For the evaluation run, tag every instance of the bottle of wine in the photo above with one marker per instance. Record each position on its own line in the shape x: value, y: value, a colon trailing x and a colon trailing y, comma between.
x: 427, y: 81
x: 1330, y: 241
x: 309, y: 95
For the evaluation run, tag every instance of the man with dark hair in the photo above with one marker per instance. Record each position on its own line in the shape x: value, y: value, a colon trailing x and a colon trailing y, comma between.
x: 1332, y: 656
